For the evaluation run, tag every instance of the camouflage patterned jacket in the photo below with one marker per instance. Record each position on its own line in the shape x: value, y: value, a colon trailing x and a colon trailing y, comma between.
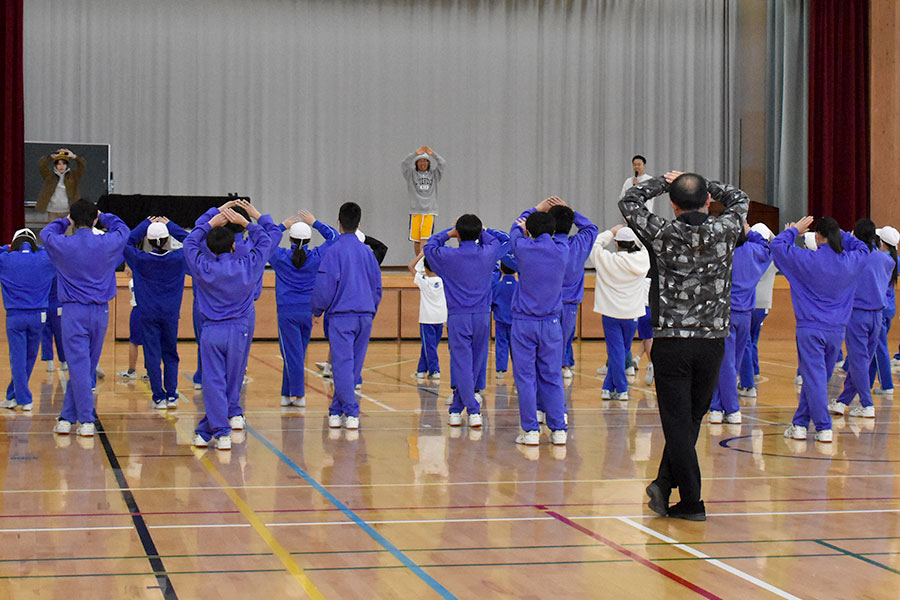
x: 690, y: 293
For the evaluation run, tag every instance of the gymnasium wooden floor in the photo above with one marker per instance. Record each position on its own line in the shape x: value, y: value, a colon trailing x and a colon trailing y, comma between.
x: 410, y: 508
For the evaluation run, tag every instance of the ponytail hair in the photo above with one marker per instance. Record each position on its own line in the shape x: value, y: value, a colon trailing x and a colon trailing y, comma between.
x: 829, y: 229
x: 864, y: 231
x: 298, y: 258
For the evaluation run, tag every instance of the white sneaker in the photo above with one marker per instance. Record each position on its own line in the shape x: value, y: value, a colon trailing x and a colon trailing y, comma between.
x: 334, y: 421
x: 479, y: 398
x: 541, y: 416
x: 322, y: 365
x: 636, y: 363
x: 500, y: 374
x: 455, y: 419
x: 27, y: 407
x: 887, y: 393
x: 733, y: 418
x: 100, y: 373
x: 9, y: 403
x: 351, y: 422
x: 63, y: 366
x: 299, y: 402
x: 198, y: 386
x: 558, y: 438
x: 475, y: 420
x: 622, y: 396
x: 749, y: 392
x: 420, y: 374
x: 85, y: 430
x: 795, y: 432
x: 836, y: 408
x: 529, y: 438
x: 568, y: 373
x: 237, y: 422
x: 436, y: 375
x: 798, y: 380
x: 145, y: 377
x: 824, y: 436
x: 160, y: 404
x: 602, y: 370
x: 629, y: 372
x: 62, y: 427
x: 648, y: 378
x: 605, y: 395
x: 127, y: 374
x: 244, y: 381
x: 223, y: 442
x: 867, y: 412
x: 566, y: 418
x: 49, y: 365
x: 715, y: 416
x: 357, y: 387
x: 172, y: 403
x: 285, y: 401
x: 199, y: 442
x: 326, y: 371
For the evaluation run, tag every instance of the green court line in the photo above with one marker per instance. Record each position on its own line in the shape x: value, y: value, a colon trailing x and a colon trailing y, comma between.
x: 860, y: 556
x: 707, y: 543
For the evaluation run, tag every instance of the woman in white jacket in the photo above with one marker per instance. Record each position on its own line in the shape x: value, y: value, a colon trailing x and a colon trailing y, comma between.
x: 619, y: 296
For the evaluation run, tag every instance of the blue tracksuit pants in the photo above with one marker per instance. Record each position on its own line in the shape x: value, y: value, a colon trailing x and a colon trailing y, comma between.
x: 725, y: 398
x: 818, y: 351
x: 501, y: 345
x: 618, y: 333
x: 348, y: 335
x: 222, y: 351
x: 52, y: 333
x: 160, y: 336
x: 749, y: 363
x: 569, y: 321
x: 294, y: 331
x: 83, y: 328
x: 862, y: 335
x: 24, y: 328
x: 881, y: 364
x: 431, y: 334
x: 537, y: 348
x: 469, y: 337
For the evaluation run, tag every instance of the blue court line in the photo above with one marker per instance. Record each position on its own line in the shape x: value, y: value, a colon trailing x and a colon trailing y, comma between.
x: 398, y: 554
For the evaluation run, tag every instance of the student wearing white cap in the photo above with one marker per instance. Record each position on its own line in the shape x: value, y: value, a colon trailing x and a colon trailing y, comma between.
x: 749, y: 367
x: 295, y: 275
x: 158, y: 289
x: 25, y: 277
x: 619, y: 295
x: 881, y: 364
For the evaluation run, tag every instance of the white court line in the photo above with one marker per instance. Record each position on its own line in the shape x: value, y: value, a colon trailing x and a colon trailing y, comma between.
x: 358, y: 393
x: 766, y: 421
x: 393, y: 364
x: 713, y: 561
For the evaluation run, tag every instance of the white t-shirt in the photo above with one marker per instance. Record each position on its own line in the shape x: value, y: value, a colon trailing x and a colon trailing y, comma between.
x: 432, y: 303
x: 764, y: 288
x: 651, y: 204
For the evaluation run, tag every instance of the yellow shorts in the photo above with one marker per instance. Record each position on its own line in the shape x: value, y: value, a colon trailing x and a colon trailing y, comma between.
x: 420, y: 227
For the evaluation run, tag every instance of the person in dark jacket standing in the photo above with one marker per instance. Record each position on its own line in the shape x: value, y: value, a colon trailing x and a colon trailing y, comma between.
x: 60, y: 189
x: 690, y: 302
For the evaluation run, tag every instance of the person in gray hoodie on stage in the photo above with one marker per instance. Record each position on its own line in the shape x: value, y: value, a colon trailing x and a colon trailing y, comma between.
x: 422, y: 171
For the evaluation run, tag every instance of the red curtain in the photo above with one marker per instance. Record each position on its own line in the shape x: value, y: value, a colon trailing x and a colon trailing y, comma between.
x: 12, y: 123
x: 839, y: 110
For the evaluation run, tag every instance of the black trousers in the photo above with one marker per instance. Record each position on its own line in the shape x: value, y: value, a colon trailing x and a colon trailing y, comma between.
x: 686, y: 372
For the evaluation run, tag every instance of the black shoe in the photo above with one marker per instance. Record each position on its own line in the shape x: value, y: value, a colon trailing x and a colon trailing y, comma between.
x: 659, y: 503
x: 689, y: 513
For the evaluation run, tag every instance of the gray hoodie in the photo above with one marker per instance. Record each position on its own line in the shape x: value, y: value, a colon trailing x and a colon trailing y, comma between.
x: 422, y: 185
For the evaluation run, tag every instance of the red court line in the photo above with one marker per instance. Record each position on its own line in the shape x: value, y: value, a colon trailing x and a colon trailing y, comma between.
x: 635, y: 557
x: 415, y: 508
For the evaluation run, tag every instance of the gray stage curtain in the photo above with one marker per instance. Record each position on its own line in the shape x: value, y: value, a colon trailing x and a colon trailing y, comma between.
x: 306, y: 104
x: 787, y: 106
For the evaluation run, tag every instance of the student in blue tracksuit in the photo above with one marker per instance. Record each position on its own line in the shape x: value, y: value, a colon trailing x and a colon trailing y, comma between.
x: 158, y: 289
x: 225, y: 283
x: 749, y: 367
x: 85, y: 264
x: 53, y: 331
x: 295, y: 275
x: 537, y: 335
x: 864, y: 327
x: 881, y: 364
x: 751, y: 259
x: 26, y: 275
x: 467, y: 272
x: 348, y: 291
x: 502, y: 290
x: 580, y: 246
x: 822, y: 288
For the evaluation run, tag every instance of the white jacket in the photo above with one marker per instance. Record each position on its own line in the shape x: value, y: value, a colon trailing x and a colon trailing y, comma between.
x: 619, y: 291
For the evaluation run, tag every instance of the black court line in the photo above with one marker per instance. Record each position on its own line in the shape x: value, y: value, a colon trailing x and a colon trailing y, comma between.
x: 727, y: 444
x: 156, y: 563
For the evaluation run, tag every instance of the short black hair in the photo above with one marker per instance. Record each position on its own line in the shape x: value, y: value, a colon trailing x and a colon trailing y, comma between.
x: 564, y: 217
x: 348, y: 216
x: 83, y: 212
x: 469, y: 227
x: 160, y: 243
x: 220, y: 240
x: 689, y: 191
x: 539, y: 223
x: 234, y: 227
x: 21, y: 239
x: 506, y: 270
x: 638, y: 156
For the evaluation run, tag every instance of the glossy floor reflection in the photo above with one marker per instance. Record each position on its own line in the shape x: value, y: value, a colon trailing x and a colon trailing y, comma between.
x: 408, y: 507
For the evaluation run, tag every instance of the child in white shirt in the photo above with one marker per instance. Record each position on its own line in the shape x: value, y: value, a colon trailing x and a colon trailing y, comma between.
x: 432, y: 316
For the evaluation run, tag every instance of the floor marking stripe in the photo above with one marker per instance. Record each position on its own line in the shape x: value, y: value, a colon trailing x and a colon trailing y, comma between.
x: 635, y: 557
x: 857, y: 556
x: 715, y: 562
x: 433, y: 583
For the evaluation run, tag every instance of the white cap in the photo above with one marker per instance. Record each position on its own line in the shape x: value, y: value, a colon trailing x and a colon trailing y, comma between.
x: 425, y: 156
x: 763, y: 230
x: 809, y: 238
x: 301, y: 231
x: 157, y: 231
x: 25, y: 231
x: 360, y: 236
x: 889, y: 235
x: 626, y: 234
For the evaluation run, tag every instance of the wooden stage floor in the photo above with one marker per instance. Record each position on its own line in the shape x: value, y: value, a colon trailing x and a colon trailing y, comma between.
x: 410, y: 508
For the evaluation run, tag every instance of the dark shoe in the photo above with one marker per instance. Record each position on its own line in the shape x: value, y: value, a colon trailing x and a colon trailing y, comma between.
x: 659, y: 502
x: 688, y: 513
